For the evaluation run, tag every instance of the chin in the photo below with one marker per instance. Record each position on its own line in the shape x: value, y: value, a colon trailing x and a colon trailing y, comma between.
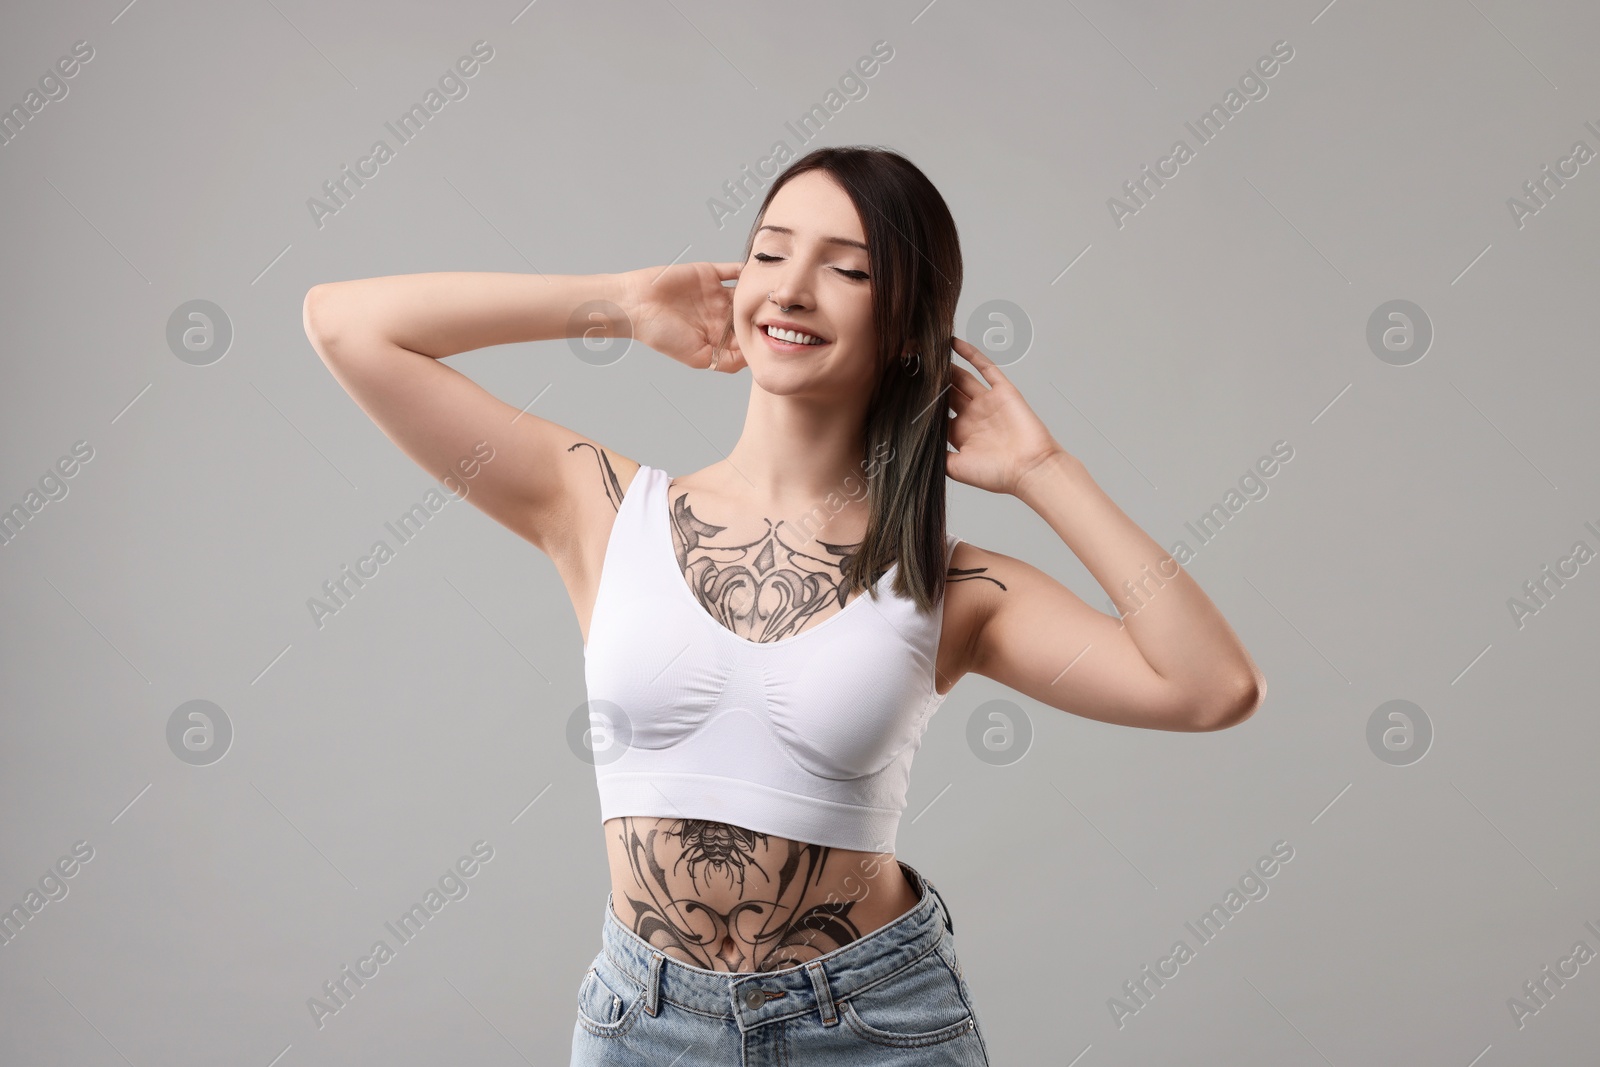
x: 778, y: 379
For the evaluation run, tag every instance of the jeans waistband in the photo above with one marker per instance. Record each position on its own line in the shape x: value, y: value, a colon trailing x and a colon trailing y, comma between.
x: 754, y: 999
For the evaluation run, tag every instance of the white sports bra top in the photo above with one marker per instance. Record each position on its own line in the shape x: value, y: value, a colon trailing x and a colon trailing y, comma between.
x: 809, y: 738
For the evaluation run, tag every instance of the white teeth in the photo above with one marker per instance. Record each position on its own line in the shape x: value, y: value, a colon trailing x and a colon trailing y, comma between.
x: 793, y: 336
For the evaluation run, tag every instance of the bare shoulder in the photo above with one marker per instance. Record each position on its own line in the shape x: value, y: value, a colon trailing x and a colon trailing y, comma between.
x: 974, y: 584
x: 595, y: 479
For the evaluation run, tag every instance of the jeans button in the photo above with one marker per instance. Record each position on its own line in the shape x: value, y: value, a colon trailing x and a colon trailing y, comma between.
x: 753, y: 998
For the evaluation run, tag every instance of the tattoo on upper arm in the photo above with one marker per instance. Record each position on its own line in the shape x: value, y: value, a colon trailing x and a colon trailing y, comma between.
x: 968, y: 574
x: 608, y: 476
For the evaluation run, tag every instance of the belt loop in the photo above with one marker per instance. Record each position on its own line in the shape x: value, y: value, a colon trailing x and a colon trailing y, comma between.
x: 819, y: 984
x: 949, y: 922
x: 925, y: 885
x: 652, y: 985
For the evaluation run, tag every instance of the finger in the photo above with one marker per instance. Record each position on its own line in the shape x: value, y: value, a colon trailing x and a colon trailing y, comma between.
x: 955, y: 397
x: 732, y: 360
x: 728, y: 271
x: 958, y: 436
x: 959, y: 431
x: 974, y: 355
x: 966, y: 381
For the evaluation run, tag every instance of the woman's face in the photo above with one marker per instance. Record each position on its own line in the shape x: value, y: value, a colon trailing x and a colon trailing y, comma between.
x: 810, y: 254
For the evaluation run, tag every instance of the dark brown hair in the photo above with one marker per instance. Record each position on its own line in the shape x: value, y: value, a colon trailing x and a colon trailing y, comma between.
x: 914, y: 257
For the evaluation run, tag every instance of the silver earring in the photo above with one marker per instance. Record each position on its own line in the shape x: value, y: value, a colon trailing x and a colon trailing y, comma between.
x: 907, y: 364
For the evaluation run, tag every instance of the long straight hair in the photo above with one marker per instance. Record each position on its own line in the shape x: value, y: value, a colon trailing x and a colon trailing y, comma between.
x: 914, y: 255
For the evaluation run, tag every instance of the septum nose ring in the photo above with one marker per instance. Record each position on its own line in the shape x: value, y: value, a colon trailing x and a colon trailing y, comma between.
x: 781, y: 308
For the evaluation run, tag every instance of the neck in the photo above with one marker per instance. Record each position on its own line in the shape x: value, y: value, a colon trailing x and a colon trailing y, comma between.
x: 797, y: 453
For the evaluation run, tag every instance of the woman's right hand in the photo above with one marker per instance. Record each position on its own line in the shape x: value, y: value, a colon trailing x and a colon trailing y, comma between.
x: 683, y: 311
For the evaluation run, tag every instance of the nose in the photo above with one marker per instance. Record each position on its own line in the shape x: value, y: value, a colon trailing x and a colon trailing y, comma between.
x: 783, y: 303
x: 790, y: 291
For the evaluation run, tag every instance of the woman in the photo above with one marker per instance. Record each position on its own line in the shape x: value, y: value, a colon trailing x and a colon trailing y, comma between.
x: 766, y: 638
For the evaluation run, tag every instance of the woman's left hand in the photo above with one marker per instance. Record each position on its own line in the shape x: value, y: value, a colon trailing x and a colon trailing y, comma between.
x: 999, y: 437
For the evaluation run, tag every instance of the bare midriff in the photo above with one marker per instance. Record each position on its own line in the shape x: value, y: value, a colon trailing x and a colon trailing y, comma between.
x: 724, y: 898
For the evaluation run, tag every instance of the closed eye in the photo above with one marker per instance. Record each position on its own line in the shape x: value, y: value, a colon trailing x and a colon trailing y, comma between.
x: 857, y: 275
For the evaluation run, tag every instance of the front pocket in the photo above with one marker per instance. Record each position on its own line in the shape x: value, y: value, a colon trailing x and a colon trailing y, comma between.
x: 922, y: 1004
x: 606, y: 1008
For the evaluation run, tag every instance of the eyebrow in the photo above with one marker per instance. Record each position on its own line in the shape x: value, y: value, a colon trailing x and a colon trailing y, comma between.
x: 826, y: 240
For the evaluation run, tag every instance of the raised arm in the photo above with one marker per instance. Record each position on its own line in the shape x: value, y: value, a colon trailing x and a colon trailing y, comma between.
x: 1172, y: 663
x: 384, y: 340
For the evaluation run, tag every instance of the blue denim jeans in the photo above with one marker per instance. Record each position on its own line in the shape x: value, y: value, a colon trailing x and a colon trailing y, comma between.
x: 895, y: 996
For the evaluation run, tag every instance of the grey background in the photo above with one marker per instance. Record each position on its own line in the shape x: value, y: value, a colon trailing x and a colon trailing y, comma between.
x: 1228, y: 314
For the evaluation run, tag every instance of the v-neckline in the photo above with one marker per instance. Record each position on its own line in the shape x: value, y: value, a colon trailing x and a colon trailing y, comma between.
x: 698, y: 608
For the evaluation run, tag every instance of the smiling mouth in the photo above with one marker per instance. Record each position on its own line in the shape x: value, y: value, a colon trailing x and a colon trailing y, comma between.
x: 793, y: 338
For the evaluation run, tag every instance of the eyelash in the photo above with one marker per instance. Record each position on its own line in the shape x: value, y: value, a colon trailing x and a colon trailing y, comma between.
x: 858, y: 275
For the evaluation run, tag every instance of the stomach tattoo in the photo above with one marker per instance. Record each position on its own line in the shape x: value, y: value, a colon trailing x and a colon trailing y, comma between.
x: 725, y: 898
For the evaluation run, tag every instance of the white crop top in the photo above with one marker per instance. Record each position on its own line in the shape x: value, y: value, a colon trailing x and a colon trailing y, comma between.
x: 809, y: 738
